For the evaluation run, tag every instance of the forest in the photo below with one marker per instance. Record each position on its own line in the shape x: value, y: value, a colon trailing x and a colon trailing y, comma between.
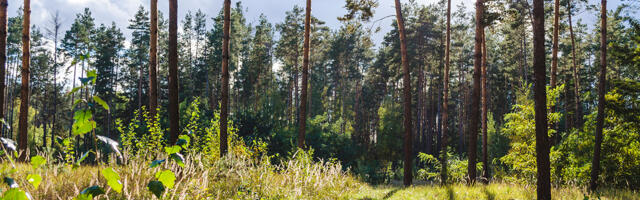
x: 484, y: 99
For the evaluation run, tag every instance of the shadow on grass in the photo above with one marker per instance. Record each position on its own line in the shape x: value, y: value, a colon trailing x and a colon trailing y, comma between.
x: 450, y: 194
x: 490, y: 195
x: 390, y: 193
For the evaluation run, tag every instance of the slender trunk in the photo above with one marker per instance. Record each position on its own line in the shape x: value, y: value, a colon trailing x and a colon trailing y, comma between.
x: 576, y: 76
x: 224, y: 112
x: 602, y: 88
x: 55, y: 75
x: 445, y: 99
x: 153, y: 60
x: 24, y: 91
x: 3, y: 55
x: 140, y: 89
x: 540, y: 97
x: 485, y: 136
x: 554, y: 54
x: 406, y: 90
x: 73, y: 85
x: 305, y: 74
x: 174, y: 121
x: 475, y: 102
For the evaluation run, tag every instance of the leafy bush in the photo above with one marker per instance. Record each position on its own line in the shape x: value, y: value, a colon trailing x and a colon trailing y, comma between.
x: 520, y: 128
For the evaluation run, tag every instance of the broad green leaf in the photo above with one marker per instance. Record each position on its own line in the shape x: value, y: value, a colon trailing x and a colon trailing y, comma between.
x: 167, y: 177
x: 93, y: 191
x: 82, y: 122
x: 156, y: 188
x: 113, y: 179
x: 15, y: 194
x: 173, y: 149
x: 34, y: 179
x: 178, y: 158
x: 98, y: 100
x: 93, y: 75
x: 38, y: 161
x: 156, y: 163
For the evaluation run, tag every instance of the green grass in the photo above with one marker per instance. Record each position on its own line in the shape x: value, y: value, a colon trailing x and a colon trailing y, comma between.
x: 241, y: 178
x: 480, y: 191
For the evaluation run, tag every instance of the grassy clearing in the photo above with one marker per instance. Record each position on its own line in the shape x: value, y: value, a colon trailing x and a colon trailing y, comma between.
x: 239, y: 178
x: 492, y: 191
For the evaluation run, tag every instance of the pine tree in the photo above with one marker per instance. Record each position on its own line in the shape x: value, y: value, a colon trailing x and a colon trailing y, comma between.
x: 24, y: 91
x: 602, y: 90
x: 174, y: 121
x: 540, y: 98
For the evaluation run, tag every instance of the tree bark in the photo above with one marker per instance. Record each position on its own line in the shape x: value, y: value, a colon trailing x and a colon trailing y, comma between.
x: 485, y: 136
x: 174, y: 121
x: 540, y: 97
x: 224, y: 110
x: 475, y: 102
x: 406, y: 90
x: 445, y: 99
x: 576, y: 76
x: 24, y: 91
x: 153, y: 60
x: 3, y: 55
x: 602, y: 84
x: 554, y: 51
x: 305, y: 74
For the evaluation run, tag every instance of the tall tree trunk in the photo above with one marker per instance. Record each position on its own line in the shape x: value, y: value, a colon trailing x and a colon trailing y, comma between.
x: 406, y: 90
x: 140, y: 89
x: 602, y: 89
x: 540, y: 97
x: 485, y: 135
x: 445, y: 99
x: 24, y: 91
x: 3, y: 55
x: 224, y: 110
x: 554, y: 54
x: 305, y: 74
x: 174, y: 121
x: 153, y: 60
x: 475, y: 97
x: 56, y: 28
x: 576, y: 76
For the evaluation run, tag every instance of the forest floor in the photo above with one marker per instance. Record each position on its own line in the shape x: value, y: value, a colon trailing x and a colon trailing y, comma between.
x: 490, y: 192
x: 236, y: 178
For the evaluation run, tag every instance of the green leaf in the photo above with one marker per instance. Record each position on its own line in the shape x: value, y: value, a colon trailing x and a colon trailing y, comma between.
x: 34, y: 179
x: 38, y: 161
x: 173, y: 149
x: 15, y: 194
x: 183, y: 141
x: 93, y: 191
x: 98, y: 100
x: 83, y: 197
x: 113, y: 179
x: 156, y: 163
x: 167, y: 177
x: 74, y: 90
x: 93, y: 75
x: 82, y: 122
x: 156, y: 188
x: 178, y: 158
x: 79, y: 161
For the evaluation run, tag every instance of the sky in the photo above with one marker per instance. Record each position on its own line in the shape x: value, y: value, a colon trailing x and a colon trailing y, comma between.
x: 120, y: 11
